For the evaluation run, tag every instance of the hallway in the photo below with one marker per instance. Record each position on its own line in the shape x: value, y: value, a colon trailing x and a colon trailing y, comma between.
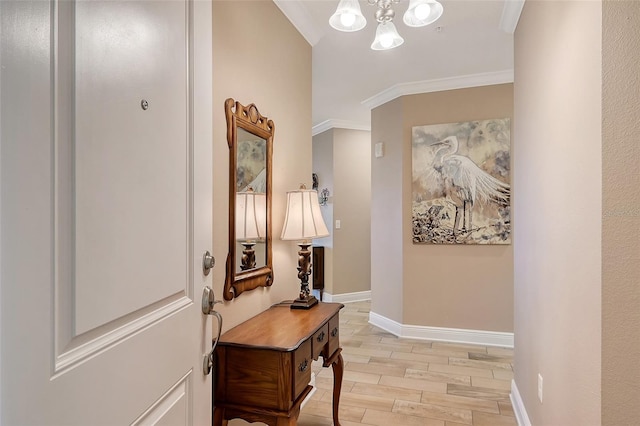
x: 392, y: 381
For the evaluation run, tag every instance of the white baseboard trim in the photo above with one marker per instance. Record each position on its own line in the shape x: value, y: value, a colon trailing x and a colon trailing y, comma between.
x: 312, y: 383
x: 518, y: 406
x: 347, y: 297
x: 456, y: 335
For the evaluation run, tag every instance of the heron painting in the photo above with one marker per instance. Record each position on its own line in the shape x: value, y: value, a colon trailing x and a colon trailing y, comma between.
x: 461, y: 183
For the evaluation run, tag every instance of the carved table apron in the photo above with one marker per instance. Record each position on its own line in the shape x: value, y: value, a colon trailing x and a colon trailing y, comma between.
x: 263, y: 366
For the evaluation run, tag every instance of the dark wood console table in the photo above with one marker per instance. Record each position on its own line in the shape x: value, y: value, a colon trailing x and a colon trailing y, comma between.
x: 263, y: 366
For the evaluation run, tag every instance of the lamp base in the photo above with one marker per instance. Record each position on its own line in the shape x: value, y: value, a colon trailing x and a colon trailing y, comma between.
x: 304, y: 303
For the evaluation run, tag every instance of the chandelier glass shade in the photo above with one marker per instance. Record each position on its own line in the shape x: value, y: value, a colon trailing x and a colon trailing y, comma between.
x: 348, y: 17
x: 422, y: 12
x: 387, y: 37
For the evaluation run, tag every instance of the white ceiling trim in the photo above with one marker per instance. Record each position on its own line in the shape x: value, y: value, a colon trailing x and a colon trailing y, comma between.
x: 300, y: 17
x: 339, y: 124
x: 510, y: 15
x: 449, y: 83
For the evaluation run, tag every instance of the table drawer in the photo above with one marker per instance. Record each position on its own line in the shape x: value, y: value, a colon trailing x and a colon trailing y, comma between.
x: 301, y: 368
x: 319, y: 340
x: 334, y: 336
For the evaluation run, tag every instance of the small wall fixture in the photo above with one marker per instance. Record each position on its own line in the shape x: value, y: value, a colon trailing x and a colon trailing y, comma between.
x: 323, y: 198
x: 348, y: 17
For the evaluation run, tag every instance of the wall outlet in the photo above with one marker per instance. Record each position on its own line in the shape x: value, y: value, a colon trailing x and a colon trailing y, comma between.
x: 338, y: 224
x: 540, y: 387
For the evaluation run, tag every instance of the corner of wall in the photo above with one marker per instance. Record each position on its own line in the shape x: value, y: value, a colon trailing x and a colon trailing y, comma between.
x: 387, y: 212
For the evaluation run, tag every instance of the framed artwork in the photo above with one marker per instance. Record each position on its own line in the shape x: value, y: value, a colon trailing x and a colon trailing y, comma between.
x: 461, y: 187
x: 251, y: 168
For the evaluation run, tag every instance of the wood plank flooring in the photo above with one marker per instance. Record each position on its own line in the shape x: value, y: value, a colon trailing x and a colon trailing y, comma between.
x: 390, y: 381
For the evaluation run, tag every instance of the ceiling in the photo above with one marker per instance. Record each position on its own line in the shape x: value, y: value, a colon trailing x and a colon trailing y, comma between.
x: 470, y: 45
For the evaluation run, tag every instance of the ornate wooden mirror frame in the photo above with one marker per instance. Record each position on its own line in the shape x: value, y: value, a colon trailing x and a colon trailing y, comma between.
x: 248, y: 119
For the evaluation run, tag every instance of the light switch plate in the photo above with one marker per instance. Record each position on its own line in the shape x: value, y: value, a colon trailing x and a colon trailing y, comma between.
x: 379, y: 150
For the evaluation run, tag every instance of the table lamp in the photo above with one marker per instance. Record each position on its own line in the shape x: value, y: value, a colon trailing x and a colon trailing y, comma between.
x: 303, y: 222
x: 251, y: 224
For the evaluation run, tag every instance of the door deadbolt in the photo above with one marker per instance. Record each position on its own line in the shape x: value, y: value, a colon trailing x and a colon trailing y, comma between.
x: 208, y: 262
x: 208, y: 301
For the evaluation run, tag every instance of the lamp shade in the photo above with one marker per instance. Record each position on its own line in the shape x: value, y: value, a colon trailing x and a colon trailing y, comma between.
x: 422, y: 12
x: 303, y: 219
x: 251, y: 215
x: 387, y: 37
x: 348, y: 16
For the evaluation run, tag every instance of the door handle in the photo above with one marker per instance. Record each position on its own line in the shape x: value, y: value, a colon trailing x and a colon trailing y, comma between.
x: 207, y: 361
x: 208, y: 301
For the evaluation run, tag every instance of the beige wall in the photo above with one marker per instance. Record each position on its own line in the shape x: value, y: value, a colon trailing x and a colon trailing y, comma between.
x: 387, y: 283
x: 456, y: 286
x: 620, y: 214
x: 468, y: 287
x: 248, y: 66
x: 558, y: 210
x: 342, y: 159
x: 352, y: 206
x: 323, y: 166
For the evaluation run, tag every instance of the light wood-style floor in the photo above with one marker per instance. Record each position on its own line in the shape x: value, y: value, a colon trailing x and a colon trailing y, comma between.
x: 390, y: 381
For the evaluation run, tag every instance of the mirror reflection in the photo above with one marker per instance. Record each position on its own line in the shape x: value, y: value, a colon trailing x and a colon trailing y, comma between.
x: 251, y: 201
x: 250, y: 139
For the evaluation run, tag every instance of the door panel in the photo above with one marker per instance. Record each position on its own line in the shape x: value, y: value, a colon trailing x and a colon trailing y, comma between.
x: 170, y: 409
x: 106, y: 211
x: 127, y: 52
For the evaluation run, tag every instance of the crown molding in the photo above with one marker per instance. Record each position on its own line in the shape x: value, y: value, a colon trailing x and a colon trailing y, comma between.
x: 339, y: 124
x: 438, y: 85
x: 510, y: 15
x: 298, y: 14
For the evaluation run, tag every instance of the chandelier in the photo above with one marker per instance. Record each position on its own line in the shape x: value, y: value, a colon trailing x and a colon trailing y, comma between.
x: 348, y: 17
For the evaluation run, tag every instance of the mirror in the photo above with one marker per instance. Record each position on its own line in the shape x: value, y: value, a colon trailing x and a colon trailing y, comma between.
x: 250, y: 140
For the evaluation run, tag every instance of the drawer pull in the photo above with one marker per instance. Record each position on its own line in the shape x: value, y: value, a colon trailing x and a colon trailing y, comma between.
x: 303, y: 366
x: 320, y: 337
x: 334, y: 332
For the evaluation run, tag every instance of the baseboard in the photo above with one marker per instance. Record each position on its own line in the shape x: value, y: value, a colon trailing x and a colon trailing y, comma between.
x: 456, y: 335
x: 312, y: 383
x: 347, y: 297
x: 518, y: 406
x: 386, y: 324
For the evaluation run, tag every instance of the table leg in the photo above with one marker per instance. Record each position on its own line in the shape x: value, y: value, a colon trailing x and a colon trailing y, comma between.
x: 218, y: 417
x: 292, y: 420
x: 338, y: 369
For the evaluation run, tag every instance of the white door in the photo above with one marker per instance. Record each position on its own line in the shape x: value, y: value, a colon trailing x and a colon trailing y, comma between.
x: 106, y: 211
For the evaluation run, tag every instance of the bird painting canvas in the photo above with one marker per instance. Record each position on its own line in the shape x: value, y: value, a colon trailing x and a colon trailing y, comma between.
x: 461, y: 189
